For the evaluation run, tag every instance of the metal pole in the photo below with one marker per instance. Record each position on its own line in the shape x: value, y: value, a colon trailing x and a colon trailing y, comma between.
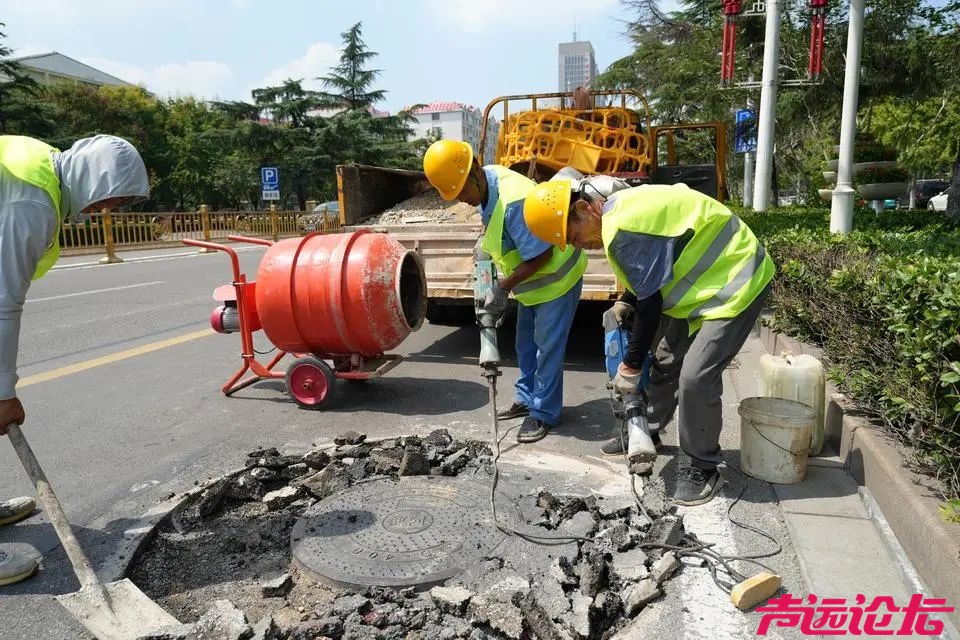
x: 768, y: 107
x: 748, y: 169
x: 841, y: 209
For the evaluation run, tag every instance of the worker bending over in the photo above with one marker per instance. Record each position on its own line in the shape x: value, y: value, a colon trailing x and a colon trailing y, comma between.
x: 39, y: 188
x: 690, y: 264
x: 545, y: 280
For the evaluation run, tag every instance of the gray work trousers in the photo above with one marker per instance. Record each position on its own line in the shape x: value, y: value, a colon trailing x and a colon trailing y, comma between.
x: 687, y: 372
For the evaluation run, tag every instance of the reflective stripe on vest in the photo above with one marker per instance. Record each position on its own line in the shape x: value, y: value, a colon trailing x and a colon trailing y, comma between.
x: 560, y: 273
x: 30, y: 160
x: 722, y: 268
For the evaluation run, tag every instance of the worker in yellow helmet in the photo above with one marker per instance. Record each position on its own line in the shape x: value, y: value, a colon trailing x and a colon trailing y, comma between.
x: 545, y: 280
x: 40, y: 187
x: 698, y: 278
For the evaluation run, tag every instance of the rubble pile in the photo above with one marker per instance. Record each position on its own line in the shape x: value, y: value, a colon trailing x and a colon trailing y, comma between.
x: 222, y: 559
x: 427, y: 207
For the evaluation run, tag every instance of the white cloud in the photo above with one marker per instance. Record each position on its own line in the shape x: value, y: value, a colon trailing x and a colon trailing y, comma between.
x: 471, y: 15
x: 318, y: 59
x: 202, y: 79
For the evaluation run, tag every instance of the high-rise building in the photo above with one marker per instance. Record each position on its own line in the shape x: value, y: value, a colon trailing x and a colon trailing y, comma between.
x: 577, y: 65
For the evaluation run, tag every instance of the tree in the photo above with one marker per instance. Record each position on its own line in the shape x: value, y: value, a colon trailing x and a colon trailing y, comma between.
x: 289, y: 103
x: 21, y: 110
x: 350, y: 84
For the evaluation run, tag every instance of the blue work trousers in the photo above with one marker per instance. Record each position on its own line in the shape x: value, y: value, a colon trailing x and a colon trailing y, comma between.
x: 542, y: 332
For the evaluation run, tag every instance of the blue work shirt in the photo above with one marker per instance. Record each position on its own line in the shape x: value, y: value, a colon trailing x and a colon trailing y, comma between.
x: 647, y: 260
x: 516, y: 235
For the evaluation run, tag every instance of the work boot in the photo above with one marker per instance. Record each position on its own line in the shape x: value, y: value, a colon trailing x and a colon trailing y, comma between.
x: 696, y: 486
x: 16, y: 509
x: 615, y: 446
x: 532, y: 430
x: 15, y: 566
x: 516, y: 410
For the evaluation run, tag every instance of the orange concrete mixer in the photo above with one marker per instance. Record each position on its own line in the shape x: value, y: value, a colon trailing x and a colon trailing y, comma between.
x: 336, y: 302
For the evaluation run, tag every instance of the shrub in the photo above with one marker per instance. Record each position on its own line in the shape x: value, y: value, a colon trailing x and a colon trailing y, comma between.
x: 884, y: 305
x: 875, y: 175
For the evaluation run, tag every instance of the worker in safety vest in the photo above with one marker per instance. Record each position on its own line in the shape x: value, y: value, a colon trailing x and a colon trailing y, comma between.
x: 39, y: 188
x: 698, y: 277
x: 545, y: 280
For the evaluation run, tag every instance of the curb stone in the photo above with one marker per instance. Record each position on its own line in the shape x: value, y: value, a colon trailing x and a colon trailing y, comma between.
x: 907, y: 505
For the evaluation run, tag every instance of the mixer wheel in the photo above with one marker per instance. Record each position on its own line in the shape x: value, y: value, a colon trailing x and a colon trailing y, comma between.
x: 309, y: 381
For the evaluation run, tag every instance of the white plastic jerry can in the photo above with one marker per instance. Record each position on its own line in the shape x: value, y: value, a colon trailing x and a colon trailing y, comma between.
x: 798, y: 378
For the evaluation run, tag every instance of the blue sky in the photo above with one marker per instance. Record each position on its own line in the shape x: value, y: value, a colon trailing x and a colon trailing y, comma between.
x: 465, y: 50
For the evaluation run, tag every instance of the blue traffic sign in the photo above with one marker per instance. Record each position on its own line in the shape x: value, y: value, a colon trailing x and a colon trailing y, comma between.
x: 269, y: 178
x: 745, y: 132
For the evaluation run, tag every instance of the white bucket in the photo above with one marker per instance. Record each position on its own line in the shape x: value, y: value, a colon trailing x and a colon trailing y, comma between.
x: 775, y: 439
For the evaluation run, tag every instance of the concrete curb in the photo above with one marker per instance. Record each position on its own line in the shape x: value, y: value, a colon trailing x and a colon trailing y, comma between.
x: 905, y: 498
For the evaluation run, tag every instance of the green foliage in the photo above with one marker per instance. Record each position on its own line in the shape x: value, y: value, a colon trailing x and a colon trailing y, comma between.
x: 909, y: 90
x: 211, y: 152
x: 351, y: 83
x: 866, y: 148
x: 950, y: 512
x: 884, y: 304
x: 874, y: 175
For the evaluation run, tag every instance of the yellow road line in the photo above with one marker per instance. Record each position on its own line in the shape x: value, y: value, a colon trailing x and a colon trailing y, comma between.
x: 110, y: 359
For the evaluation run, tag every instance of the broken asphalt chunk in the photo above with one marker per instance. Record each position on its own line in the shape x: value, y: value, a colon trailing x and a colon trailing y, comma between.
x: 350, y: 437
x: 451, y: 600
x: 278, y: 587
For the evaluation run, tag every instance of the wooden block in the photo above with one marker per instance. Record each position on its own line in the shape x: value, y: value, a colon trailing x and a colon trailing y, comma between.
x: 754, y: 590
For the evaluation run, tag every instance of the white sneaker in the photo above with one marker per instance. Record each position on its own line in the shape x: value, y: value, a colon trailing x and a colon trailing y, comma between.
x: 16, y: 509
x: 15, y: 566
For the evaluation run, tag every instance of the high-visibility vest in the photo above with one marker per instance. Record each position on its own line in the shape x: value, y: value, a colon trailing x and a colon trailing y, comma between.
x: 557, y: 276
x: 31, y: 161
x: 722, y: 268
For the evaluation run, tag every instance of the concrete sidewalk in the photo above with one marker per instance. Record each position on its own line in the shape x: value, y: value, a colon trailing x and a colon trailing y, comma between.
x: 842, y: 543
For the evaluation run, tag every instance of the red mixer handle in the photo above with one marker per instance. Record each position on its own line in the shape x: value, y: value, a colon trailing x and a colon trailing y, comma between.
x: 218, y: 247
x: 249, y: 240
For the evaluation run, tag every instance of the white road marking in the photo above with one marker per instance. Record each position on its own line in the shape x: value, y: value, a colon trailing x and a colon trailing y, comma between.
x: 707, y: 611
x: 151, y: 258
x: 93, y: 291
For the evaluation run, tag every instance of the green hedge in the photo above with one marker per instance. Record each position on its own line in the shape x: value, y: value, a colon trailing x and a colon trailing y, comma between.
x: 884, y: 304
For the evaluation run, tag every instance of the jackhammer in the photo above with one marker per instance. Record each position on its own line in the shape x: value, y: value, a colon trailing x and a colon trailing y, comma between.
x: 630, y: 411
x: 484, y: 278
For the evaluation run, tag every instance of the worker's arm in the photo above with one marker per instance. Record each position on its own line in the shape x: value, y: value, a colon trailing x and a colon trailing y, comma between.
x: 25, y: 231
x: 525, y: 269
x: 646, y: 321
x: 647, y: 262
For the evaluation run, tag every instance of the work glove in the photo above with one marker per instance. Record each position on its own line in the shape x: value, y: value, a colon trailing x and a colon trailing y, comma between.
x: 621, y: 311
x: 496, y: 301
x: 627, y: 383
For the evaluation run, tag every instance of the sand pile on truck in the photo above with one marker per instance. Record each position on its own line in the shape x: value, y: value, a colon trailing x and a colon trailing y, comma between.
x: 426, y: 208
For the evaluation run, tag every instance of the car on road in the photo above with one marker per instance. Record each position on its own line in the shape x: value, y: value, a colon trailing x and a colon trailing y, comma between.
x: 923, y: 190
x: 939, y: 201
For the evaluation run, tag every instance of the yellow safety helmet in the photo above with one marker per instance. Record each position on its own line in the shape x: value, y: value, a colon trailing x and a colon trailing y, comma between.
x: 545, y: 211
x: 447, y: 164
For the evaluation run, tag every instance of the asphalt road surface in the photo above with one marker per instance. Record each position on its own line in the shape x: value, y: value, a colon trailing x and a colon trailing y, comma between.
x: 121, y: 377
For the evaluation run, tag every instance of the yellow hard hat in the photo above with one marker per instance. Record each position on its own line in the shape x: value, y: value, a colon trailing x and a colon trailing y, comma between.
x: 447, y: 164
x: 545, y: 211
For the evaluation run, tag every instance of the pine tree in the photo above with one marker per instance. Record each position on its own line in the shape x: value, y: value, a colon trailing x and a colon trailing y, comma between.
x: 350, y: 84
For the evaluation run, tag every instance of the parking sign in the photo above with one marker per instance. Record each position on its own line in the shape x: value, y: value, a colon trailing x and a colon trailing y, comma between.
x: 270, y: 183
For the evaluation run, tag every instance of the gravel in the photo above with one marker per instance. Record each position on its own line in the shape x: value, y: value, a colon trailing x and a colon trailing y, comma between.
x: 428, y: 207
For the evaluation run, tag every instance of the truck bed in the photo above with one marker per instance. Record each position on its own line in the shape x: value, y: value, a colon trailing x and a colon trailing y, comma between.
x: 447, y: 252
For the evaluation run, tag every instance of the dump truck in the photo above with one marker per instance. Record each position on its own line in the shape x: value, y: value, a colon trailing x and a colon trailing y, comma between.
x: 613, y: 136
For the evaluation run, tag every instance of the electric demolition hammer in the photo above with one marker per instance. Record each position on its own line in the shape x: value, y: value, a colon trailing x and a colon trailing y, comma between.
x: 484, y: 278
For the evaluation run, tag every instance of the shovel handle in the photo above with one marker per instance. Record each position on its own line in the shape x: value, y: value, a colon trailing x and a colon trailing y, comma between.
x: 81, y: 565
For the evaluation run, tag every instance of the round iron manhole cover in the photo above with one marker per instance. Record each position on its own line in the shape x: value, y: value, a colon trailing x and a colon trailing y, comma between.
x: 389, y: 533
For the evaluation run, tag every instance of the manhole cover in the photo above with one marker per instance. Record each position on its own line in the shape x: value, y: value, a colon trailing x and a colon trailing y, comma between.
x: 389, y: 533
